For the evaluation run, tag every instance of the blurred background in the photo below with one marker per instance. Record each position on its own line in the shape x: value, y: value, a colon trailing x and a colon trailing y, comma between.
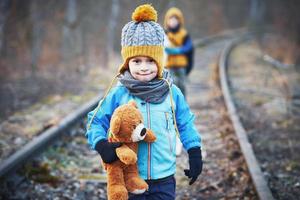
x: 56, y: 55
x: 71, y: 48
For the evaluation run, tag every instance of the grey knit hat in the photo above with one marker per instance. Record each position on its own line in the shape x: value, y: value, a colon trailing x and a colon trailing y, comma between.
x: 143, y: 37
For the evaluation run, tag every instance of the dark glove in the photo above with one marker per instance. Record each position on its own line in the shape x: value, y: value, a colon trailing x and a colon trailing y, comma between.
x: 195, y: 161
x: 107, y: 150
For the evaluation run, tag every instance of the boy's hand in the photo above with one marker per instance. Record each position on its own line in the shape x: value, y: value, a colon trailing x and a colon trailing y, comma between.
x: 195, y: 161
x: 172, y: 51
x: 107, y: 150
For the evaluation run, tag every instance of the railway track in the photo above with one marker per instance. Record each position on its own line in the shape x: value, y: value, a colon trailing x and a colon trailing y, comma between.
x: 257, y: 176
x: 38, y: 143
x: 81, y: 176
x: 262, y: 94
x: 225, y: 174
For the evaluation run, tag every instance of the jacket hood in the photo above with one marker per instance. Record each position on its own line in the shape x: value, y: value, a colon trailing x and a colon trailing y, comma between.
x: 174, y: 12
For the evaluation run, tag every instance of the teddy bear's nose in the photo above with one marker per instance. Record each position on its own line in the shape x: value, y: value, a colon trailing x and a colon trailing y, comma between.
x: 143, y: 131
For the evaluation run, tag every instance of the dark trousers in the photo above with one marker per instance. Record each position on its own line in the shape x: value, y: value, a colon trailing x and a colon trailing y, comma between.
x: 163, y: 189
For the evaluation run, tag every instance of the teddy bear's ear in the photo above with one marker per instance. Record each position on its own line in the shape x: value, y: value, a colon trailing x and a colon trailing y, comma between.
x: 115, y: 125
x: 133, y: 103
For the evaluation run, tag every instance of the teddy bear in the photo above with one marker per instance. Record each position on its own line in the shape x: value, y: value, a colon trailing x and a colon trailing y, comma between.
x: 126, y: 126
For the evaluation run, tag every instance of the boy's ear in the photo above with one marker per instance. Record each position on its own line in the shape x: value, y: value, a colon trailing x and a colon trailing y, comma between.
x: 133, y: 103
x: 115, y: 125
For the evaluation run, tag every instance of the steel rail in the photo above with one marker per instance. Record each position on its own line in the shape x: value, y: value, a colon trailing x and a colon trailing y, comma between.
x: 40, y: 142
x: 257, y: 176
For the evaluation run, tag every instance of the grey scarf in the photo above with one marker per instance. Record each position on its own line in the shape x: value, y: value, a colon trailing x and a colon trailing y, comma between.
x: 154, y: 91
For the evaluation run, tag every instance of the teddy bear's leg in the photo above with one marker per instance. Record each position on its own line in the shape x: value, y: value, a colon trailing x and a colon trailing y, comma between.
x: 116, y: 189
x: 133, y: 182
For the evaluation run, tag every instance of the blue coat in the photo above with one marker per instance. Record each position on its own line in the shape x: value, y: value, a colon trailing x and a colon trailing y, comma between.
x: 158, y: 159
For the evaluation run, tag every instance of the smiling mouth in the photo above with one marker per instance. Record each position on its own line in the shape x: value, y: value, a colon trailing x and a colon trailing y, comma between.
x: 145, y: 74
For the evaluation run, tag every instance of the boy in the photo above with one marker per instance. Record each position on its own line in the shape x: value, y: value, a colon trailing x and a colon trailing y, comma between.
x: 180, y: 48
x: 142, y: 79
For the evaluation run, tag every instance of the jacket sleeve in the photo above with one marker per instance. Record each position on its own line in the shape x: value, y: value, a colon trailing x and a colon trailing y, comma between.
x: 187, y: 45
x: 99, y: 125
x: 189, y: 135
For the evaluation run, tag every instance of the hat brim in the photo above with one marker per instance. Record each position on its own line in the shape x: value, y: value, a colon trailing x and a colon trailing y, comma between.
x: 154, y: 52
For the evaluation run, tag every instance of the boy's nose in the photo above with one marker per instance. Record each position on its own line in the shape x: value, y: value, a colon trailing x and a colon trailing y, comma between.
x: 144, y: 68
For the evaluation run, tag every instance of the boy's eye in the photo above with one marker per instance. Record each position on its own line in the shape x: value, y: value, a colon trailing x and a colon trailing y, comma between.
x: 150, y: 60
x: 136, y: 61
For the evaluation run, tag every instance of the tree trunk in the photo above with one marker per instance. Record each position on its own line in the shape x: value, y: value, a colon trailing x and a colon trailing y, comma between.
x: 111, y: 33
x: 4, y: 9
x: 36, y: 35
x: 72, y: 35
x: 256, y: 16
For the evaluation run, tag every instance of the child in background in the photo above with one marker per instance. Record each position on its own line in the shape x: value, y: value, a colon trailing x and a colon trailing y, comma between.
x: 164, y: 109
x: 179, y: 53
x: 180, y: 47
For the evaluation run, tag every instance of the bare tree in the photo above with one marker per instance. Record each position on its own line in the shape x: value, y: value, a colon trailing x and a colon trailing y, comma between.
x: 4, y: 8
x: 72, y: 39
x: 110, y: 31
x: 36, y: 35
x: 257, y: 10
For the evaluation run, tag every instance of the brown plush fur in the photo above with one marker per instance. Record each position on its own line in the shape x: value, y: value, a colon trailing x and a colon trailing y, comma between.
x: 122, y: 175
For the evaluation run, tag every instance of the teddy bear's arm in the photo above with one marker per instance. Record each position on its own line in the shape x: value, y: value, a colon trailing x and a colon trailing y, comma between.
x: 150, y: 136
x: 126, y: 155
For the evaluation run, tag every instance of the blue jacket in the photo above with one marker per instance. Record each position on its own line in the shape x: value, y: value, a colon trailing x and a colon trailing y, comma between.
x: 187, y: 46
x: 155, y: 160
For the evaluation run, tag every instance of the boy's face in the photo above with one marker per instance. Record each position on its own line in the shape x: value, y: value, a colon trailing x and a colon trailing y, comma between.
x: 172, y: 22
x: 143, y: 68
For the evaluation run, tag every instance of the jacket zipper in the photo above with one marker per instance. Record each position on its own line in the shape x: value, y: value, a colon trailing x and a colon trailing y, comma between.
x: 149, y: 144
x: 168, y: 130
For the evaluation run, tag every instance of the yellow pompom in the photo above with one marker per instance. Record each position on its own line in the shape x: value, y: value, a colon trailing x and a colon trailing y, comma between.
x: 144, y: 13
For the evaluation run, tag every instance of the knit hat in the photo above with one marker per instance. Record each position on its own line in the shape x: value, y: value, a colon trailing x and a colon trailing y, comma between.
x: 173, y: 12
x: 143, y: 37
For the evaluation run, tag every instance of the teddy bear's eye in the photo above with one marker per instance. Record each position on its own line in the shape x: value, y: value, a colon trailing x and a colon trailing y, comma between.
x: 134, y: 126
